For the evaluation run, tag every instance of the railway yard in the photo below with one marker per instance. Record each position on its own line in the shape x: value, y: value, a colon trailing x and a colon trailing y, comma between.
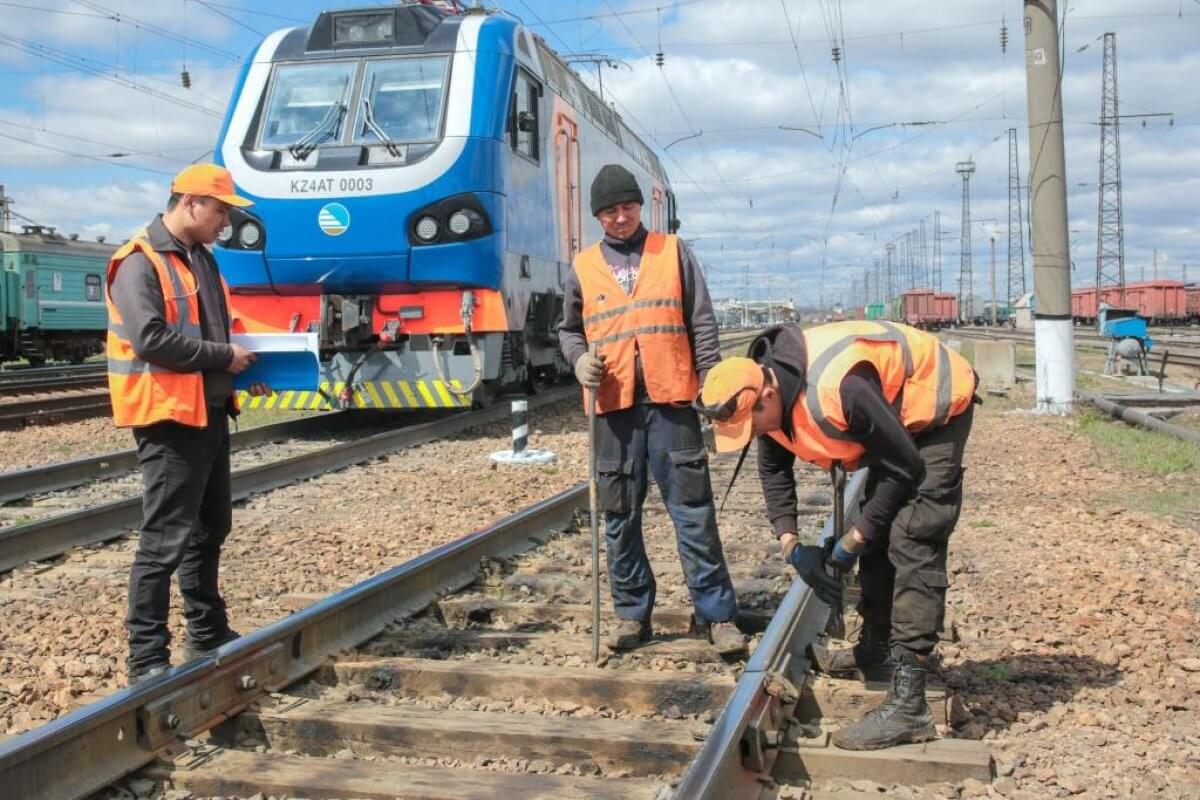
x: 1070, y: 666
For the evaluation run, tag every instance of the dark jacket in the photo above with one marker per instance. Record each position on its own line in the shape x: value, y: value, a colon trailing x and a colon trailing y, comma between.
x: 625, y: 256
x: 896, y: 465
x: 140, y: 299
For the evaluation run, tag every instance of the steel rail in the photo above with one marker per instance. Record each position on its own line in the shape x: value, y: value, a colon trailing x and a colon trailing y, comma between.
x: 77, y: 754
x: 1132, y: 416
x: 18, y: 484
x: 55, y: 535
x: 742, y: 747
x: 1082, y: 342
x: 54, y: 408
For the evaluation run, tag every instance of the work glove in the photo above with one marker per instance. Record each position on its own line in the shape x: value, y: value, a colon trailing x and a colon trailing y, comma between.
x: 844, y: 553
x: 589, y: 369
x: 809, y: 563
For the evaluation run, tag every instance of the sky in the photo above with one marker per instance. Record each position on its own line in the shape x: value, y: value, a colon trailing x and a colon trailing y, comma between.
x: 793, y: 171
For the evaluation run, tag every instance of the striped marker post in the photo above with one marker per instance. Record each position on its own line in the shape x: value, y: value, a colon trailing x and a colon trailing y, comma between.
x: 520, y: 452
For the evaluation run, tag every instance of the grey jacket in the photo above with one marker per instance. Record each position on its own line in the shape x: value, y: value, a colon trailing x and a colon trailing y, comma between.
x: 140, y: 299
x: 697, y: 306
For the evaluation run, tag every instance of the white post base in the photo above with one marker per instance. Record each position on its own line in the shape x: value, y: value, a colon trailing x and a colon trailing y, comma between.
x: 526, y: 457
x: 1054, y: 354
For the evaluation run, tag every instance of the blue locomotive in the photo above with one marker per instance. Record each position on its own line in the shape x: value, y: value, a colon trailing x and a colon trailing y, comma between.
x: 51, y: 296
x: 418, y: 175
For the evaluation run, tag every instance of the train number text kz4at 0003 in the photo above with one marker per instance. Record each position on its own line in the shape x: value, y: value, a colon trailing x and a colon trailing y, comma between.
x: 306, y: 185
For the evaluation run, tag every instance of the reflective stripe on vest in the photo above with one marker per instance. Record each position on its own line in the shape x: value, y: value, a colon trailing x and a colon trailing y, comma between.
x: 648, y: 323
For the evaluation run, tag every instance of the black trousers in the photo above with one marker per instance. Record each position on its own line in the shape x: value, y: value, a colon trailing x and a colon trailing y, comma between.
x: 187, y: 513
x: 903, y: 574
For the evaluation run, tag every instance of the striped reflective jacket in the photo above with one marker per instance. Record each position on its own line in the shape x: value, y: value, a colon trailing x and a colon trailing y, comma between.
x: 926, y: 382
x: 649, y: 322
x: 143, y: 393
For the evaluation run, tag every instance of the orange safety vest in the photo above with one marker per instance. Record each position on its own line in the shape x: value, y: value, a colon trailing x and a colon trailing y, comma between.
x: 143, y: 393
x: 934, y: 384
x: 649, y: 322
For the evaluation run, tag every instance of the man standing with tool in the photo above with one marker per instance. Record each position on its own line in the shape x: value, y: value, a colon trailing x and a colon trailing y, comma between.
x: 170, y: 375
x: 883, y: 396
x: 639, y: 298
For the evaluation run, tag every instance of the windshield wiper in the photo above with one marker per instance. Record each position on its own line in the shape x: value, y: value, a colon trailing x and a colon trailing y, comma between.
x: 309, y: 141
x: 369, y: 118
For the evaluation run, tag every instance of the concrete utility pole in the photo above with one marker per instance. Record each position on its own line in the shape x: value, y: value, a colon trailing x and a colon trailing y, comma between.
x: 993, y: 246
x: 966, y: 287
x: 1053, y: 336
x: 1016, y: 224
x: 926, y: 279
x: 1110, y: 224
x: 5, y: 214
x: 878, y: 296
x: 1156, y: 263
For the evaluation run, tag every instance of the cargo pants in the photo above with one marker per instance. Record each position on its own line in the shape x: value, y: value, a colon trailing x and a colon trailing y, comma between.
x: 663, y: 441
x: 187, y: 513
x: 903, y: 573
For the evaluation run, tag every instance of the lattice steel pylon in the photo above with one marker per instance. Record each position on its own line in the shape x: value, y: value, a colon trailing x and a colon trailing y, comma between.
x: 966, y: 288
x: 1016, y: 224
x: 1110, y: 226
x: 890, y: 286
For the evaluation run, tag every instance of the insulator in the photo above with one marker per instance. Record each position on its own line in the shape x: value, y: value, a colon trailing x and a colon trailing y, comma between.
x: 1004, y: 38
x: 659, y: 58
x: 185, y: 78
x: 837, y: 55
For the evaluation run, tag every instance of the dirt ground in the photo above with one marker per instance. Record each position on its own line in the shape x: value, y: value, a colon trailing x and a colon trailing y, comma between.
x: 1077, y: 608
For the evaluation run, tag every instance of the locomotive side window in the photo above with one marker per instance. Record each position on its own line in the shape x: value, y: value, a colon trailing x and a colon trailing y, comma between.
x: 91, y: 287
x: 525, y: 124
x: 308, y: 102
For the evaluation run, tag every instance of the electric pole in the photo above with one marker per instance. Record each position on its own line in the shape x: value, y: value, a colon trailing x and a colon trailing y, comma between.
x: 965, y: 284
x: 5, y: 214
x: 993, y: 247
x: 926, y: 281
x: 891, y: 277
x: 1016, y: 224
x: 1156, y: 263
x: 1053, y: 337
x: 878, y: 297
x: 1110, y: 225
x: 937, y: 251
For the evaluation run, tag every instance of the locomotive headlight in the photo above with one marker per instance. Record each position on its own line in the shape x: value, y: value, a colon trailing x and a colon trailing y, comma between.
x: 459, y: 223
x: 226, y: 235
x: 427, y: 229
x: 249, y: 235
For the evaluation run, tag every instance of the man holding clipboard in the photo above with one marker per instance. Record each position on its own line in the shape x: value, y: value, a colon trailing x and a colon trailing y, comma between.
x: 171, y: 368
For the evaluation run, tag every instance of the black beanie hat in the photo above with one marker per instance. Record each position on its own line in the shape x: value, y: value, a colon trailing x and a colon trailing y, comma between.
x: 614, y: 184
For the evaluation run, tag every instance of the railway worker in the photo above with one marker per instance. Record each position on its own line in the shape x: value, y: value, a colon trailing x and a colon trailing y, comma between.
x: 873, y: 394
x: 640, y: 299
x: 170, y: 374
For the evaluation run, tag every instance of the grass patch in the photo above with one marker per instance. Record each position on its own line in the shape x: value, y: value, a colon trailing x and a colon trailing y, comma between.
x: 1136, y: 448
x: 997, y: 672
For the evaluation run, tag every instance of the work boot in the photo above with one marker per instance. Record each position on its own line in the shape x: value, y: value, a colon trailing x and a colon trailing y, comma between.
x: 903, y: 717
x: 144, y: 674
x: 726, y: 637
x: 193, y: 649
x: 869, y: 659
x: 628, y: 635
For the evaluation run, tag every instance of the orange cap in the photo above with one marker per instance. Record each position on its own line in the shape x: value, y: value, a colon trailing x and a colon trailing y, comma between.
x: 730, y: 391
x: 208, y: 180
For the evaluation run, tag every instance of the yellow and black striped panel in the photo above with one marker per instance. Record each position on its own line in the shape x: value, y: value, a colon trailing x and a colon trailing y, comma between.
x: 368, y: 394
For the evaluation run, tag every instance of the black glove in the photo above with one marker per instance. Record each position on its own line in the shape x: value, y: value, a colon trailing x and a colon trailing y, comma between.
x: 809, y: 562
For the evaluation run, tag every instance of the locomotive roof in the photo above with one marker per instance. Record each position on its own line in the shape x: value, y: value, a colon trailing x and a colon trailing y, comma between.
x: 47, y: 242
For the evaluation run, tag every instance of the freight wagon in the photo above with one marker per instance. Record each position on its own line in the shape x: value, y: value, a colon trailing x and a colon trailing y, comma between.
x: 1192, y: 295
x: 1161, y: 302
x: 924, y: 308
x: 52, y: 296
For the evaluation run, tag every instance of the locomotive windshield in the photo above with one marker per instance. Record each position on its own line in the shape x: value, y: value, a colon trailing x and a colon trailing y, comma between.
x: 394, y: 100
x: 306, y: 101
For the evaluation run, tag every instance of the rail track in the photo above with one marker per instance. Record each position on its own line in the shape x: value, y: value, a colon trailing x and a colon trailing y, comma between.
x: 53, y: 408
x: 1085, y: 341
x: 401, y: 687
x: 96, y: 522
x: 39, y: 379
